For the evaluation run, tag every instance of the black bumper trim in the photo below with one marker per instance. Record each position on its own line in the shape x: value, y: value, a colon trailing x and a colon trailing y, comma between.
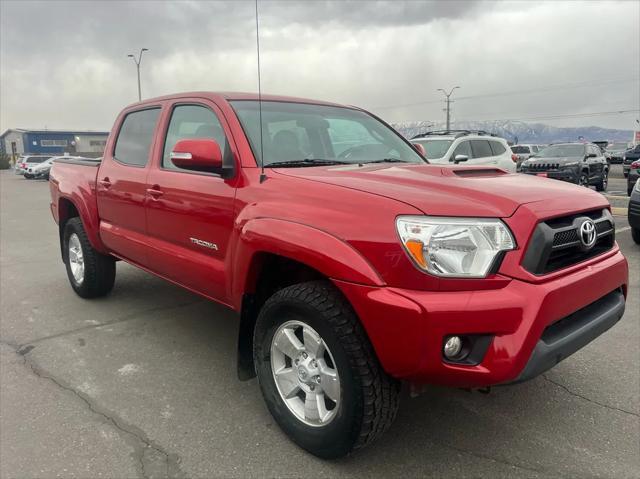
x: 563, y: 338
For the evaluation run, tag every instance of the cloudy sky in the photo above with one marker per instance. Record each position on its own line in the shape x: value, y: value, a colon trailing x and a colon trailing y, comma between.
x: 65, y: 65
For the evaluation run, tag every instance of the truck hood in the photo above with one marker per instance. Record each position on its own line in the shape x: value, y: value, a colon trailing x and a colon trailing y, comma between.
x: 452, y: 191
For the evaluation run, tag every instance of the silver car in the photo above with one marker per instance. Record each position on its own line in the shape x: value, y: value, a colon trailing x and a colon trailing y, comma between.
x: 26, y: 161
x: 41, y: 170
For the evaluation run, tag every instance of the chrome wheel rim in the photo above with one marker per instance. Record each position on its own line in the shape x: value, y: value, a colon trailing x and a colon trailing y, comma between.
x: 605, y: 180
x: 305, y: 374
x: 76, y: 259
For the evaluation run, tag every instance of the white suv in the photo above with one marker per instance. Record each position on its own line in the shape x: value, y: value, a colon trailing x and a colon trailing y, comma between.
x: 470, y: 147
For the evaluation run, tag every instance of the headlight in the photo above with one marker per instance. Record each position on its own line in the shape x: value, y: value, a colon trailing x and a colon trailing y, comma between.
x: 454, y: 247
x: 570, y: 165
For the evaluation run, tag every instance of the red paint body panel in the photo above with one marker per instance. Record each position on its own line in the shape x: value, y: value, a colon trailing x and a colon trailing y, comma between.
x: 407, y: 327
x: 210, y: 234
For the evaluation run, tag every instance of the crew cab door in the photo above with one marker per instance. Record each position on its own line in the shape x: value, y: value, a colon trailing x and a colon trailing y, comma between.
x: 122, y: 184
x: 190, y: 214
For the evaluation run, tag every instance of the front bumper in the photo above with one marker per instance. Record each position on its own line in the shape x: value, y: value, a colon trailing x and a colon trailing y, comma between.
x: 407, y: 328
x: 569, y: 174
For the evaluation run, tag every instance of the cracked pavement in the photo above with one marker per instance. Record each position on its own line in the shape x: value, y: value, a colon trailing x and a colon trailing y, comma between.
x: 142, y: 384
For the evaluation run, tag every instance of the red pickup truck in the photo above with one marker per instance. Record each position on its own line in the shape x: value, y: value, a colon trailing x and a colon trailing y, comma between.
x: 352, y: 262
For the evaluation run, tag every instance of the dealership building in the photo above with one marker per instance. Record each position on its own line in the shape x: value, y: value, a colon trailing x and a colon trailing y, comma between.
x: 19, y: 141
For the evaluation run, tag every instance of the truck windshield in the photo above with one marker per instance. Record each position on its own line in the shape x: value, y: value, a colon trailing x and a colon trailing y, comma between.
x: 561, y: 151
x: 302, y: 134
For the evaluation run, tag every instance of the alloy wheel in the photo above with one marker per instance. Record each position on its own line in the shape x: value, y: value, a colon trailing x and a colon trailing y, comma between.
x: 305, y: 374
x: 76, y: 259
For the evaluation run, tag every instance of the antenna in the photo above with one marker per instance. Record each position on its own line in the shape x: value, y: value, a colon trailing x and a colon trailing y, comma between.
x: 262, y: 175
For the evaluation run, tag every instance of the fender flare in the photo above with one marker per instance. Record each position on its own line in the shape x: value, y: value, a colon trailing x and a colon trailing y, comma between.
x: 91, y: 223
x: 318, y: 249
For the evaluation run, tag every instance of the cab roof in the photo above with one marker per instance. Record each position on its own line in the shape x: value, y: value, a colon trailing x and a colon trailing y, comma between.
x: 230, y: 96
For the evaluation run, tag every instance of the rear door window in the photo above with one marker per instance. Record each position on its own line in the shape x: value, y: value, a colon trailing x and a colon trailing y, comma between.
x: 481, y: 149
x: 135, y: 137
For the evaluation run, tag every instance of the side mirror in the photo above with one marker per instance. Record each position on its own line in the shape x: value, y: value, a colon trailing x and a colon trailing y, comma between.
x: 419, y: 148
x: 197, y: 155
x: 459, y: 158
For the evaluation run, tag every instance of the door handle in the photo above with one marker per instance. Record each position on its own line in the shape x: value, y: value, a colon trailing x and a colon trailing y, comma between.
x: 105, y: 182
x: 155, y: 192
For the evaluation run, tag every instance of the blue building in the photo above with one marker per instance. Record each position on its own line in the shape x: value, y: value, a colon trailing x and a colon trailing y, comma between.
x: 19, y: 141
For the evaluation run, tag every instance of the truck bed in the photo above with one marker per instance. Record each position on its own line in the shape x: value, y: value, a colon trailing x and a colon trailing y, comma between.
x: 84, y: 161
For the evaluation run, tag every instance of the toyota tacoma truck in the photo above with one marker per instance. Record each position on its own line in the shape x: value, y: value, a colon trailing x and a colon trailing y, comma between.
x: 352, y: 263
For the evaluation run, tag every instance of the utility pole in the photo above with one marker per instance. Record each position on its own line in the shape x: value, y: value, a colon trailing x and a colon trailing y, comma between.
x: 448, y: 102
x: 137, y: 62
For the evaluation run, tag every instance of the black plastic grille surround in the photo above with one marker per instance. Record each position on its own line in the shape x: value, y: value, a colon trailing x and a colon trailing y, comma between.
x: 556, y: 244
x: 543, y: 166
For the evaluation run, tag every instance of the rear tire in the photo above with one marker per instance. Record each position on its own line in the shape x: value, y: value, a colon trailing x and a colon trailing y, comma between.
x: 635, y: 234
x: 366, y: 398
x: 601, y: 185
x: 90, y: 273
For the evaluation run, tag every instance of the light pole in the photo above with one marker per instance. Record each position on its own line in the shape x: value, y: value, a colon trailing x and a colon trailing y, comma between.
x: 448, y: 101
x: 137, y: 62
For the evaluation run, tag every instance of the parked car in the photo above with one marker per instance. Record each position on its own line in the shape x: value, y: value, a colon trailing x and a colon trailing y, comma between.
x: 615, y: 151
x: 633, y: 214
x: 25, y: 161
x: 601, y: 144
x: 579, y: 163
x: 523, y: 152
x: 633, y: 175
x: 448, y: 147
x: 41, y: 170
x: 629, y: 157
x: 351, y: 266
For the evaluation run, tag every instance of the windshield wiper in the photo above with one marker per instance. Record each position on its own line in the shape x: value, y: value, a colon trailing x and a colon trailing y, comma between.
x: 387, y: 160
x: 306, y: 162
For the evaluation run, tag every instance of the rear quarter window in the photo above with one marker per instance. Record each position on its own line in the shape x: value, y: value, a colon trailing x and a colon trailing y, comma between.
x: 497, y: 148
x: 135, y: 137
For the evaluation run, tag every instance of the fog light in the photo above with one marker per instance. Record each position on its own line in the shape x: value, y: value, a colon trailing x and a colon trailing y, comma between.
x: 452, y: 347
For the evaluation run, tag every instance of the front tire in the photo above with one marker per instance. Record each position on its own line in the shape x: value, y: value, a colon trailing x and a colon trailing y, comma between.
x: 635, y: 234
x: 90, y: 273
x: 319, y: 375
x: 601, y: 185
x: 583, y: 179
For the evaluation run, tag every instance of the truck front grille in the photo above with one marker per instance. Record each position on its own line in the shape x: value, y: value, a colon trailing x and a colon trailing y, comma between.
x: 556, y: 243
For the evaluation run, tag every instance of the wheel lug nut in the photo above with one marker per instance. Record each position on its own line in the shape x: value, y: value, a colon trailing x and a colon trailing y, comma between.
x: 317, y: 379
x: 314, y: 363
x: 304, y: 356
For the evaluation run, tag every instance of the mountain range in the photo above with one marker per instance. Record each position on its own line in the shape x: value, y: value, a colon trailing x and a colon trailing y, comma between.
x: 521, y: 132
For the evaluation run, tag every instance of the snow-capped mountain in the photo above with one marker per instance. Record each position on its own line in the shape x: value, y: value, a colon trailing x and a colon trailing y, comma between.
x: 521, y: 132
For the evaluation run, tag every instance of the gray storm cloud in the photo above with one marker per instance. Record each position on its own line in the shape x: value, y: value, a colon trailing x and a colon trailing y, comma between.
x: 64, y: 64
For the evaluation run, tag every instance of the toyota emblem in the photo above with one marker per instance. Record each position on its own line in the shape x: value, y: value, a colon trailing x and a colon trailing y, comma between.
x: 588, y: 234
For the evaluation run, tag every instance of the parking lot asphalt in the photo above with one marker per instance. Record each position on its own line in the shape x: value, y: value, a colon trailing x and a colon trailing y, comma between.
x: 142, y: 383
